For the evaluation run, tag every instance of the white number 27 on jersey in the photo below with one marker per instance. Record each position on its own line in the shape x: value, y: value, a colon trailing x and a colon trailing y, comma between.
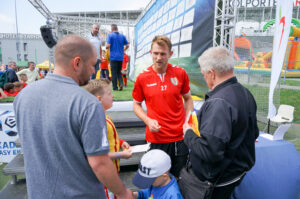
x: 164, y: 88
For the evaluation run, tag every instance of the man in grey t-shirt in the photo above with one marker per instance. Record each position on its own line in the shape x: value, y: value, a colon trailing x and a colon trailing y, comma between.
x: 63, y: 135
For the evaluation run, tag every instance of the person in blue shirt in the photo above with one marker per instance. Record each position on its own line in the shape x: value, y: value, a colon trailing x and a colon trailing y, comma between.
x: 154, y: 179
x: 117, y: 43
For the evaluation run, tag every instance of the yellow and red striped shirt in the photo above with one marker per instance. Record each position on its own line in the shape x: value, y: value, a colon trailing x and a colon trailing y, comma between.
x: 114, y: 141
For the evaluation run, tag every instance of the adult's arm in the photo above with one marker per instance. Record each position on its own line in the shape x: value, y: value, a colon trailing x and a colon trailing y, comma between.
x: 152, y: 124
x: 100, y: 52
x: 20, y: 72
x: 188, y: 103
x: 215, y: 128
x: 126, y: 46
x: 106, y: 173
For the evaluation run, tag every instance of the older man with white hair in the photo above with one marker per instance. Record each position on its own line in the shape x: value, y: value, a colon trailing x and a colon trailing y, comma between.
x: 228, y: 127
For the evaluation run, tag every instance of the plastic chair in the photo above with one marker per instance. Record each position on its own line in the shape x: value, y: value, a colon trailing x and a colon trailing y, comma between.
x: 285, y: 115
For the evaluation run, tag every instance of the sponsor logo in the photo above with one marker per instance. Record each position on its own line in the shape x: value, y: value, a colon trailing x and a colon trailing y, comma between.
x: 174, y: 81
x: 149, y: 85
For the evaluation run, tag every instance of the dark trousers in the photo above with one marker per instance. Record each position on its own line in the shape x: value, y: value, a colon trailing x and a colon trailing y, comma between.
x: 226, y: 191
x: 178, y: 153
x: 116, y: 67
x: 96, y: 69
x: 105, y: 74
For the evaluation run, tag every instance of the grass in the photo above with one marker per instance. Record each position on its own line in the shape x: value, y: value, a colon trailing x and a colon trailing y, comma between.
x: 287, y: 82
x: 8, y: 99
x: 287, y: 96
x: 3, y: 179
x: 290, y: 82
x: 125, y: 94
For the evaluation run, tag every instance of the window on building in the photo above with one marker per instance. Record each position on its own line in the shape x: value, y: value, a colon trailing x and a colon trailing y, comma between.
x: 18, y: 46
x: 18, y: 57
x: 25, y: 46
x: 25, y: 57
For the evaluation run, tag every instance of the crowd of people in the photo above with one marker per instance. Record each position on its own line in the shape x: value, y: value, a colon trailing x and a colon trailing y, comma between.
x: 72, y: 148
x: 13, y: 80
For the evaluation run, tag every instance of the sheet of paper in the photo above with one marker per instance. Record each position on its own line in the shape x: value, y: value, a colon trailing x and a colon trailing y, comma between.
x: 185, y: 50
x: 140, y: 148
x: 175, y: 37
x: 180, y: 8
x: 186, y: 34
x: 172, y: 13
x: 175, y: 51
x: 178, y: 23
x: 188, y: 17
x: 173, y: 3
x: 189, y: 3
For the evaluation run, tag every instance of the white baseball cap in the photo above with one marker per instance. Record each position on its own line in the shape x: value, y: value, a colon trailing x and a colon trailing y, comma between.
x: 153, y: 164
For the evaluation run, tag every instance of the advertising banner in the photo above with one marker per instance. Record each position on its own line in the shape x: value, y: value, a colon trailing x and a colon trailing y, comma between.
x: 8, y: 133
x: 284, y: 11
x: 189, y: 24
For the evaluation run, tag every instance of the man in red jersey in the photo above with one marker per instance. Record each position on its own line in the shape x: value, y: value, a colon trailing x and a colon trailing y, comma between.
x: 163, y: 86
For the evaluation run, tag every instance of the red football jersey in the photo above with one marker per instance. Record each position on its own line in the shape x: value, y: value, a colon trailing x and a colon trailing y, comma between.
x: 104, y: 64
x: 163, y: 97
x: 125, y: 61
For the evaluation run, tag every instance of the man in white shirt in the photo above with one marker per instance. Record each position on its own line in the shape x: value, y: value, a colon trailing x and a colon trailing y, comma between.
x: 96, y: 40
x: 32, y: 74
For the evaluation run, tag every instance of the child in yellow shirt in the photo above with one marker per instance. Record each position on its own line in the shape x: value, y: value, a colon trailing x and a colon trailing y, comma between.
x: 101, y: 89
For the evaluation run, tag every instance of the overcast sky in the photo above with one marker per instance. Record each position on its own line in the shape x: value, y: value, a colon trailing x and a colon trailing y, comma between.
x: 30, y: 20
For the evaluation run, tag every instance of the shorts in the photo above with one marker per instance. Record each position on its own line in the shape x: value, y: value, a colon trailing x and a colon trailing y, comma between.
x: 178, y: 153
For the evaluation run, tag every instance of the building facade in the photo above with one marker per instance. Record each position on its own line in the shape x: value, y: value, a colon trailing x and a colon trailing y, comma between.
x: 22, y: 47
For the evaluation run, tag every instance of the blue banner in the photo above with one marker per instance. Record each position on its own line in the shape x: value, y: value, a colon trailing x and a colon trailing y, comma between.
x: 189, y: 25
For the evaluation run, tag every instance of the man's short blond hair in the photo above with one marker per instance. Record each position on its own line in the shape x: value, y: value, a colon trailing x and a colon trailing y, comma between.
x: 96, y: 86
x: 162, y: 40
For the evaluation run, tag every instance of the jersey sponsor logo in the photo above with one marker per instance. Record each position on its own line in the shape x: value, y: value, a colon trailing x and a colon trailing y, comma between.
x: 174, y: 81
x: 149, y: 85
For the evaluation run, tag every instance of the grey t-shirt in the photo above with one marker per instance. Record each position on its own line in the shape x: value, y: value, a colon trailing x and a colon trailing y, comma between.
x: 60, y: 124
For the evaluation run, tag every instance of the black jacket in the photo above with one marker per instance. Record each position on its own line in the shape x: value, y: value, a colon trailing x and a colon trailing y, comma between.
x: 228, y: 128
x: 11, y: 76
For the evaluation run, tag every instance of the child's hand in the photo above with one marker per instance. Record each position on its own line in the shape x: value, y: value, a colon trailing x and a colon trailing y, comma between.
x: 135, y: 194
x: 125, y: 146
x: 126, y: 153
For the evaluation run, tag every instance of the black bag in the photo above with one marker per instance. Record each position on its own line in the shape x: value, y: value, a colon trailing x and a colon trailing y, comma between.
x: 192, y: 187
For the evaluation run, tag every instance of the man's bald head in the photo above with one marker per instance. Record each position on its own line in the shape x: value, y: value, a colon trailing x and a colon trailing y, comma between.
x: 72, y: 46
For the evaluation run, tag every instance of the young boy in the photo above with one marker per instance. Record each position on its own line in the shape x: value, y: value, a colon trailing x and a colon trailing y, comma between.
x: 23, y: 79
x: 104, y: 66
x: 125, y: 69
x: 9, y: 90
x: 101, y: 89
x: 18, y: 86
x: 154, y: 179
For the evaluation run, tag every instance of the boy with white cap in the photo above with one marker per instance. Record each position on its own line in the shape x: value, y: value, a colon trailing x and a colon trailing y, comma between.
x: 154, y: 179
